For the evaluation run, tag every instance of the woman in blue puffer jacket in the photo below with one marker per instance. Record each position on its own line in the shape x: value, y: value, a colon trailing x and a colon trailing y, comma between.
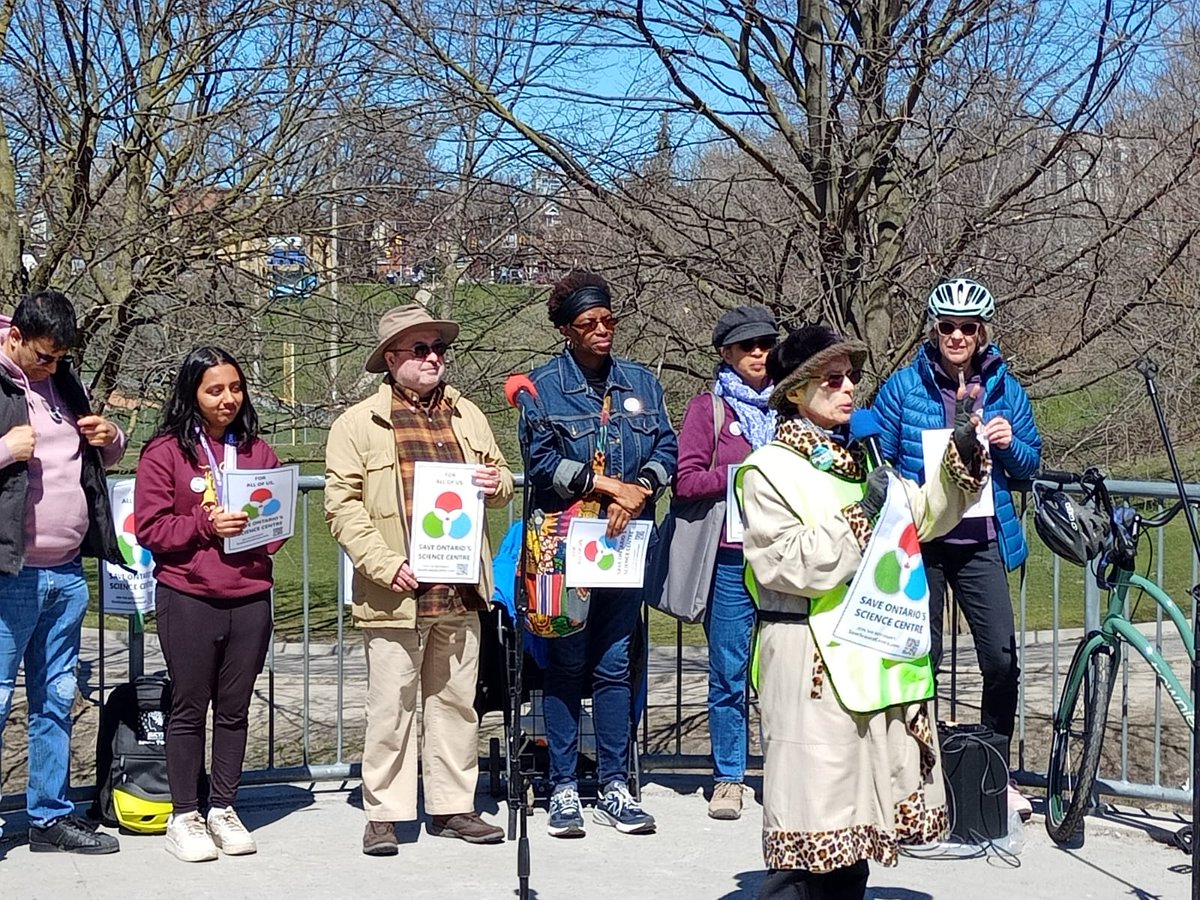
x: 972, y: 559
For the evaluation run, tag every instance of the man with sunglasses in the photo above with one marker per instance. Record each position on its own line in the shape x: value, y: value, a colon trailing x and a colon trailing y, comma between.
x: 973, y: 558
x: 416, y: 635
x: 54, y: 509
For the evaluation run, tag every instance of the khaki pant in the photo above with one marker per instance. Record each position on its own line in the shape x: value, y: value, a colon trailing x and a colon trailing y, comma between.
x: 441, y: 657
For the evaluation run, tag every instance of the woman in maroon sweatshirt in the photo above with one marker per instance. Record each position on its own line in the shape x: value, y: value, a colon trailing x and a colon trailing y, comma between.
x: 742, y: 337
x: 213, y: 608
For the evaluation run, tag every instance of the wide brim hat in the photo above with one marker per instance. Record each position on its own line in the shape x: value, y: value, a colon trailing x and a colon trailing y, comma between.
x: 804, y: 355
x: 400, y: 320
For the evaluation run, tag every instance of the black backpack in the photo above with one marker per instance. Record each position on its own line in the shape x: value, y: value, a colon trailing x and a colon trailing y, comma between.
x: 131, y: 755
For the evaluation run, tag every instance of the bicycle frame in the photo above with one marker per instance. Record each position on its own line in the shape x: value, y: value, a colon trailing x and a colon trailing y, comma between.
x: 1117, y: 627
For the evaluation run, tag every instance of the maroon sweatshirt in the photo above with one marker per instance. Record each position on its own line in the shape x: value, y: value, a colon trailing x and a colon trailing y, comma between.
x: 695, y: 479
x: 173, y: 524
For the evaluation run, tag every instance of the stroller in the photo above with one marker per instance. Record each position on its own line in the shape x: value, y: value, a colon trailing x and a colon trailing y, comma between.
x: 520, y: 770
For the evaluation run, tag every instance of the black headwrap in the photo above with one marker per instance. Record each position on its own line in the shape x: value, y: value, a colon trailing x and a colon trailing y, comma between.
x: 581, y: 299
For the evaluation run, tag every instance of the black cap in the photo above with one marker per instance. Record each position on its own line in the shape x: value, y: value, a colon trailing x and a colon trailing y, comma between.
x: 744, y: 323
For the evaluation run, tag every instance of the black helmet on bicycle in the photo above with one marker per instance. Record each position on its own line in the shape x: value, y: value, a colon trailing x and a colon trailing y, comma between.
x: 1074, y: 532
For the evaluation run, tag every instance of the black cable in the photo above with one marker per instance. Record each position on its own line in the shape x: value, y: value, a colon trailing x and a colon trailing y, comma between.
x: 984, y: 846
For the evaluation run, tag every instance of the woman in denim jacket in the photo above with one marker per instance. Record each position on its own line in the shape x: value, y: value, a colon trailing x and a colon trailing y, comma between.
x: 579, y: 391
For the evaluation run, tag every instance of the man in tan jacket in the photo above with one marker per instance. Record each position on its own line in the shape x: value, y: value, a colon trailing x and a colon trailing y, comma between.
x: 420, y: 638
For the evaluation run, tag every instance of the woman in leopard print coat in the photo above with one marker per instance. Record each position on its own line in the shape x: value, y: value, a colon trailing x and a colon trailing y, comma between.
x: 840, y: 787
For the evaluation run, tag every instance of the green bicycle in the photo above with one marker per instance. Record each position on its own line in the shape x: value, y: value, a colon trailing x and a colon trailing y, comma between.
x: 1080, y: 531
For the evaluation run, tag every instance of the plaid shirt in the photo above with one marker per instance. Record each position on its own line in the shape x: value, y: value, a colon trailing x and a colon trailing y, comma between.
x: 423, y: 432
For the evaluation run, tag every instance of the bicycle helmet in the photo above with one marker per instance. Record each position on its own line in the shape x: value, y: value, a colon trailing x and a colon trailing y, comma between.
x: 1074, y: 532
x: 961, y: 297
x: 138, y: 814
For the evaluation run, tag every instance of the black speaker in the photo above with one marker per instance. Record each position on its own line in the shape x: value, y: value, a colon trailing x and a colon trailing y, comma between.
x: 975, y: 763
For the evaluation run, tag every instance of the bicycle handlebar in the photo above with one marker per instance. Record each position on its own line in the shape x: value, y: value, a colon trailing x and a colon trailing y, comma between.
x: 1060, y: 477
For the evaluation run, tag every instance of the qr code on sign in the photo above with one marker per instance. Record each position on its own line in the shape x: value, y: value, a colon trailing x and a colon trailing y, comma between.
x: 910, y: 647
x: 461, y: 569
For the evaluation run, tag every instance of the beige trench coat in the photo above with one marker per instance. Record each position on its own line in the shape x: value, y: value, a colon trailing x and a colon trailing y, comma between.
x: 839, y: 787
x: 365, y: 504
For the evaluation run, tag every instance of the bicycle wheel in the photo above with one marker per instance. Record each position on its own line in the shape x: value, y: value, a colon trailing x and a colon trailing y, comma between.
x: 1078, y: 736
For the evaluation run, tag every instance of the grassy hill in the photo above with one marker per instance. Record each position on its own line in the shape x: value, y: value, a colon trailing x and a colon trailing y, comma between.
x: 504, y: 330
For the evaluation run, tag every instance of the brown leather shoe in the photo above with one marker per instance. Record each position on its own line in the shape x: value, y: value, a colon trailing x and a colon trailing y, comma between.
x: 466, y: 826
x: 380, y: 839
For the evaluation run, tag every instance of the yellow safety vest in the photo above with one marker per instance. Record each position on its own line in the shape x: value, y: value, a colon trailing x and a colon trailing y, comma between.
x: 863, y: 680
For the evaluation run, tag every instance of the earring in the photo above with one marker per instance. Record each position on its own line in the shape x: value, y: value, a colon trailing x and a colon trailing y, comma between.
x: 570, y: 344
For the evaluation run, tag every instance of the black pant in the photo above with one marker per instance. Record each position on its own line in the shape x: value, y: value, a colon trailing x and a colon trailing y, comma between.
x: 215, y: 648
x: 980, y: 584
x: 847, y: 883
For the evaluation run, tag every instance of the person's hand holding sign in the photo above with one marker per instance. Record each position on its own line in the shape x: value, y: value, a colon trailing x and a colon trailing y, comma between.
x: 228, y: 523
x: 487, y: 479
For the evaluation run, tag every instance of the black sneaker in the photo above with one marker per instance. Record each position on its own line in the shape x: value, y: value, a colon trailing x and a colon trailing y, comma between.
x: 71, y: 834
x: 616, y: 807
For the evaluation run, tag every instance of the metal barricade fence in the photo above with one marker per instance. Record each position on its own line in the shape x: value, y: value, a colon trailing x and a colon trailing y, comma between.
x: 673, y: 732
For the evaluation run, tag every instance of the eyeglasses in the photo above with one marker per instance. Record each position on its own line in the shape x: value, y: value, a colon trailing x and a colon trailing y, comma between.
x: 587, y: 326
x: 834, y: 380
x: 968, y: 329
x: 760, y: 343
x: 421, y: 350
x: 49, y: 359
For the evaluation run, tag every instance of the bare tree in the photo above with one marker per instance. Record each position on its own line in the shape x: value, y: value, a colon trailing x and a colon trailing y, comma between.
x: 829, y: 159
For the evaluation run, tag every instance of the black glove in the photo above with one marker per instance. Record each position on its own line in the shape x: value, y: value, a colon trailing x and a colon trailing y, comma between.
x: 877, y: 486
x: 965, y: 441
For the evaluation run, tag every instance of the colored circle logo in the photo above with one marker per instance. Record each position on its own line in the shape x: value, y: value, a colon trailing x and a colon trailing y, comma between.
x: 262, y: 503
x: 901, y: 571
x: 134, y: 555
x: 601, y: 553
x: 447, y: 518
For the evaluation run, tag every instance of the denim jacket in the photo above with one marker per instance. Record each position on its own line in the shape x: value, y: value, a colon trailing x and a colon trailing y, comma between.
x: 561, y: 438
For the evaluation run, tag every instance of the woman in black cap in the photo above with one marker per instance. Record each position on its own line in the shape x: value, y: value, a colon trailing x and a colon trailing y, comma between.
x: 602, y: 437
x: 851, y: 767
x: 721, y: 427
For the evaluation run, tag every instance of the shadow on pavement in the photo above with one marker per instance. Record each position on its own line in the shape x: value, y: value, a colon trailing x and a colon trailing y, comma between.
x: 1131, y: 889
x: 258, y: 809
x: 748, y: 884
x: 687, y: 784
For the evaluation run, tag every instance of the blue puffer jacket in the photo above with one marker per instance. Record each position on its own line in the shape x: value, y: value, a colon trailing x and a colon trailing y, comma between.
x: 910, y: 402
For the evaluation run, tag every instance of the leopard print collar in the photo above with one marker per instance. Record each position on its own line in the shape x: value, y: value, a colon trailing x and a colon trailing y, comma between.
x: 820, y: 450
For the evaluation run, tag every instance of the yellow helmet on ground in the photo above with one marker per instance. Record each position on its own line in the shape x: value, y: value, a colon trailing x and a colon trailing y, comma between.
x: 137, y: 814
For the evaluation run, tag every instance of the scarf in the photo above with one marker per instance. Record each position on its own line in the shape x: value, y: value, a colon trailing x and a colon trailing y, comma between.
x: 823, y: 449
x: 750, y: 406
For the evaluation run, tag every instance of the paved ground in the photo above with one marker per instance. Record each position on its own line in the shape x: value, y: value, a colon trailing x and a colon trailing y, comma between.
x: 310, y: 834
x: 309, y: 840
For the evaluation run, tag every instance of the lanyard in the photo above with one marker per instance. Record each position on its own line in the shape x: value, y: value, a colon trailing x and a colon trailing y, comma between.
x: 230, y: 460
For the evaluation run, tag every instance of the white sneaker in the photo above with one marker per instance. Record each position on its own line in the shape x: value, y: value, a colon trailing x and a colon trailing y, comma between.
x: 188, y: 840
x: 229, y: 833
x: 1018, y: 802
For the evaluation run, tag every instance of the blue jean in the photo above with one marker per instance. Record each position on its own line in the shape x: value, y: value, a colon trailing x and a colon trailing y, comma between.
x: 599, y: 653
x: 729, y: 626
x: 41, y: 611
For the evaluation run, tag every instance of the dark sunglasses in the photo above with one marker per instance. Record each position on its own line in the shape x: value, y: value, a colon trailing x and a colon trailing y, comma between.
x: 422, y: 350
x: 758, y: 343
x: 834, y: 380
x: 587, y: 326
x: 49, y: 359
x: 968, y: 329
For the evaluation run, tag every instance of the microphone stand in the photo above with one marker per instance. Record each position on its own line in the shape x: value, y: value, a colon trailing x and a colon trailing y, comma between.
x: 1149, y: 370
x: 518, y: 806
